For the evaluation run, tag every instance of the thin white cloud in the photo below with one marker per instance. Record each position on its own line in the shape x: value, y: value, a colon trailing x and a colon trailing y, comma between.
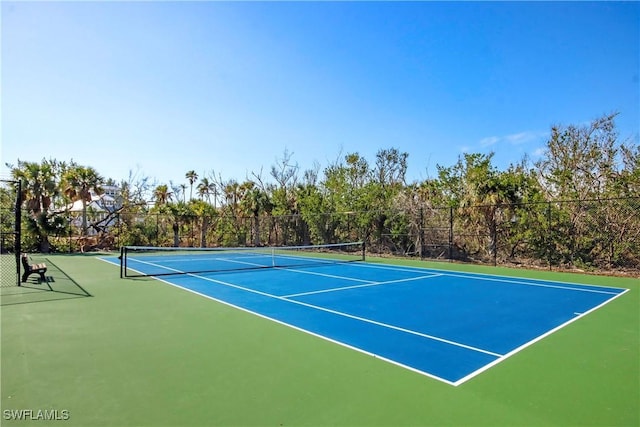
x: 521, y: 138
x: 512, y: 139
x: 489, y: 141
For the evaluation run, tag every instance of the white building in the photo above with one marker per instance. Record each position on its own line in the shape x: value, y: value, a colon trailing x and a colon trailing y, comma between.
x: 98, y: 209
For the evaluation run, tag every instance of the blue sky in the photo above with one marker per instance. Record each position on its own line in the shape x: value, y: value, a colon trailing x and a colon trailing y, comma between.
x: 161, y: 88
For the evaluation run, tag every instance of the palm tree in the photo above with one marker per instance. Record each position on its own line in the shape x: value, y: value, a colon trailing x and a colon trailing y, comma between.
x: 205, y: 213
x: 183, y: 189
x: 78, y: 182
x: 162, y: 195
x: 180, y: 213
x: 39, y: 186
x: 214, y: 190
x: 232, y: 193
x: 204, y: 189
x: 39, y: 189
x: 254, y: 202
x: 192, y: 176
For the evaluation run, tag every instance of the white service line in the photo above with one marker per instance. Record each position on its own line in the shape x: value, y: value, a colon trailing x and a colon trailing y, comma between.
x: 350, y: 316
x: 339, y: 313
x: 479, y: 276
x: 579, y: 287
x: 343, y: 288
x: 315, y: 273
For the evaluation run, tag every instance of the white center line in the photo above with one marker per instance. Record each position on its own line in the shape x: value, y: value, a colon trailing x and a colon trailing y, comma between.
x: 343, y: 288
x: 350, y: 316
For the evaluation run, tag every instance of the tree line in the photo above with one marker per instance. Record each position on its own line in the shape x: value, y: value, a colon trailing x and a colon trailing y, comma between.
x: 523, y: 208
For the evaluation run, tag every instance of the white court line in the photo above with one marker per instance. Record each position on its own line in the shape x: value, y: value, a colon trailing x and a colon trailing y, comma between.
x: 208, y: 258
x: 332, y: 276
x: 579, y: 287
x: 297, y: 328
x: 306, y: 331
x: 499, y: 359
x: 343, y: 288
x: 533, y: 341
x: 339, y: 313
x: 504, y: 279
x: 477, y: 276
x: 362, y: 319
x: 231, y: 260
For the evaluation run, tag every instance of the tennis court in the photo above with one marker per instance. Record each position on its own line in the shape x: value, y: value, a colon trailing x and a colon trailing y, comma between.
x: 141, y: 352
x: 450, y: 326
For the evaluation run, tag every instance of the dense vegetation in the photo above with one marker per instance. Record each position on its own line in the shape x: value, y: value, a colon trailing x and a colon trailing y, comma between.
x: 577, y: 205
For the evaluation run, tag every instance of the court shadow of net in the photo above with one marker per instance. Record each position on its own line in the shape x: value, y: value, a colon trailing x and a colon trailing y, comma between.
x: 57, y: 285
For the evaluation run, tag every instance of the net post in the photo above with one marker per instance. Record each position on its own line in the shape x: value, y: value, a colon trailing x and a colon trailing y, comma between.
x: 364, y: 250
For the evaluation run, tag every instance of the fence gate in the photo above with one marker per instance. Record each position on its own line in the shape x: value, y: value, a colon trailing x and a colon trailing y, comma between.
x: 9, y: 233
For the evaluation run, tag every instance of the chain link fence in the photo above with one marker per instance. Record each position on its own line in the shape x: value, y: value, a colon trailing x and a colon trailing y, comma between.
x: 590, y: 235
x: 10, y: 214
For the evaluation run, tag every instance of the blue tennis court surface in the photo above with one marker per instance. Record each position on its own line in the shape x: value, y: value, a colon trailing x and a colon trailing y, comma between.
x: 446, y: 325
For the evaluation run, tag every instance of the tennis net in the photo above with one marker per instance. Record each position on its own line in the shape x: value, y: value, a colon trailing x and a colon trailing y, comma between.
x: 137, y: 261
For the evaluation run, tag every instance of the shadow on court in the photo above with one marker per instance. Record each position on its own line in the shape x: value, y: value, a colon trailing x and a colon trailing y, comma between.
x: 57, y: 286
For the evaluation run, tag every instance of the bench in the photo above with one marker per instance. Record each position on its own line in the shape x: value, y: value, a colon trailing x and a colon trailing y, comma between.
x: 30, y: 269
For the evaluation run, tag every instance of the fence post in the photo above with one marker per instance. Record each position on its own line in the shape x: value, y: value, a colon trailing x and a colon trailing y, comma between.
x: 450, y: 232
x: 17, y: 228
x: 421, y: 232
x: 549, y: 238
x: 122, y: 262
x: 70, y: 231
x: 494, y: 237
